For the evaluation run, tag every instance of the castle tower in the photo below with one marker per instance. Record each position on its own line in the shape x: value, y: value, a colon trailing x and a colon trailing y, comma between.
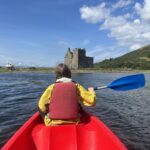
x: 75, y: 60
x: 68, y: 58
x: 78, y: 59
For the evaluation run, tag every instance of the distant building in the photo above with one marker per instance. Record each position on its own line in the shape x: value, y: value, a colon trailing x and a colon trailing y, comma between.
x: 10, y: 66
x: 78, y: 59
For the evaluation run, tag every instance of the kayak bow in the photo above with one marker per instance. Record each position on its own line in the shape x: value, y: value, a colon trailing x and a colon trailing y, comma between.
x: 90, y: 134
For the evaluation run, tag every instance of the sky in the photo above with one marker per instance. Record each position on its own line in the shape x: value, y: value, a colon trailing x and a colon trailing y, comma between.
x: 39, y: 32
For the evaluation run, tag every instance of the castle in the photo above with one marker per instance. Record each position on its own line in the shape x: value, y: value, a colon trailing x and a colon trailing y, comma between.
x: 78, y: 59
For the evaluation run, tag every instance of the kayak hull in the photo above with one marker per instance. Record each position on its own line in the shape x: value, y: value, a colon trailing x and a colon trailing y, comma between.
x: 90, y: 134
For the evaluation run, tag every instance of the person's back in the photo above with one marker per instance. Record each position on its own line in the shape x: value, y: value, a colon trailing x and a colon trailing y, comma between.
x: 59, y: 102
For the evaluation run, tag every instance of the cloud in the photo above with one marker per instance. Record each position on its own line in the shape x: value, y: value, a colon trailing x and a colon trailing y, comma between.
x: 122, y: 3
x: 135, y: 46
x: 96, y: 50
x: 64, y: 44
x: 127, y: 33
x: 130, y: 31
x: 143, y: 11
x: 100, y: 52
x: 94, y: 14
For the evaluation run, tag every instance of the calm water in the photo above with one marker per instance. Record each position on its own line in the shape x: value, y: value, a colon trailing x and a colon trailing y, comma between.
x: 126, y: 113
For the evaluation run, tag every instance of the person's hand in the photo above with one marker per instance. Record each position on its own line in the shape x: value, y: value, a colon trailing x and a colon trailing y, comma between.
x: 91, y: 89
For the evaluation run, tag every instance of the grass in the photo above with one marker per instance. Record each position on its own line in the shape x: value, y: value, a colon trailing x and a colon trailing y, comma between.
x: 3, y: 70
x: 31, y: 69
x: 82, y: 70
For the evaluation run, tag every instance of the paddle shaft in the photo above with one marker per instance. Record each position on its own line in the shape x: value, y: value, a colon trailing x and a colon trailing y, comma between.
x: 100, y: 87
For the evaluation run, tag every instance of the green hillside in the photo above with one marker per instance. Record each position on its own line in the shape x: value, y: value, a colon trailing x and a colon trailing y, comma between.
x: 138, y: 59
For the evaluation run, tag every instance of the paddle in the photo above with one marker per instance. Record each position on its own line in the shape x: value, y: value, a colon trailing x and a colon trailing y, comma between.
x: 126, y: 83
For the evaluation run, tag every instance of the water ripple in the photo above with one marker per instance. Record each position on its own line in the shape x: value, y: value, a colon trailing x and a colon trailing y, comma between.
x: 126, y: 113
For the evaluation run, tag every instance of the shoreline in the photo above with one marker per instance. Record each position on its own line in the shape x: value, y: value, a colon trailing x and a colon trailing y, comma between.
x: 85, y: 70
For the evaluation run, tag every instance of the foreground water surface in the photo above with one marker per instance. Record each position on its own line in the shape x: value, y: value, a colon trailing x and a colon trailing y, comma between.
x: 126, y: 113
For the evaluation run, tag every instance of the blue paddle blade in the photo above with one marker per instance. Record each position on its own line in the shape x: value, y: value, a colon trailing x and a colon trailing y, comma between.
x: 128, y: 83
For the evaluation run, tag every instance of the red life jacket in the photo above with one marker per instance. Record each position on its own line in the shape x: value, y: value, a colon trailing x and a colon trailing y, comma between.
x: 64, y: 101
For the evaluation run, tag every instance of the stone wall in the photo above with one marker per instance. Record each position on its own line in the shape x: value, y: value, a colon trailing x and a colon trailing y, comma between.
x: 78, y: 59
x: 69, y: 58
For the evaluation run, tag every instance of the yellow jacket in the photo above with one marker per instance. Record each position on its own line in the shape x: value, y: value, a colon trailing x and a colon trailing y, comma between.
x: 87, y: 98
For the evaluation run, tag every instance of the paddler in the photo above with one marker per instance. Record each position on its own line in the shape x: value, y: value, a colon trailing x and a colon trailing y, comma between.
x: 59, y: 104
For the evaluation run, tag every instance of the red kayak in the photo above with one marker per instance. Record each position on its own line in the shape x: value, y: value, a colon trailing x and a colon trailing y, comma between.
x: 90, y: 134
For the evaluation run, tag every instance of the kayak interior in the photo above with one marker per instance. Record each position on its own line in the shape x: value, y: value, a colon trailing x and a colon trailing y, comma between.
x: 90, y: 134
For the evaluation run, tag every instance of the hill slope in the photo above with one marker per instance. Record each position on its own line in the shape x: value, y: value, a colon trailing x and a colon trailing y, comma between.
x: 138, y: 59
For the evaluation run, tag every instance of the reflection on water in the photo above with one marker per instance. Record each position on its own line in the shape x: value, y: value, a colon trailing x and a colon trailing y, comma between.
x: 126, y: 113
